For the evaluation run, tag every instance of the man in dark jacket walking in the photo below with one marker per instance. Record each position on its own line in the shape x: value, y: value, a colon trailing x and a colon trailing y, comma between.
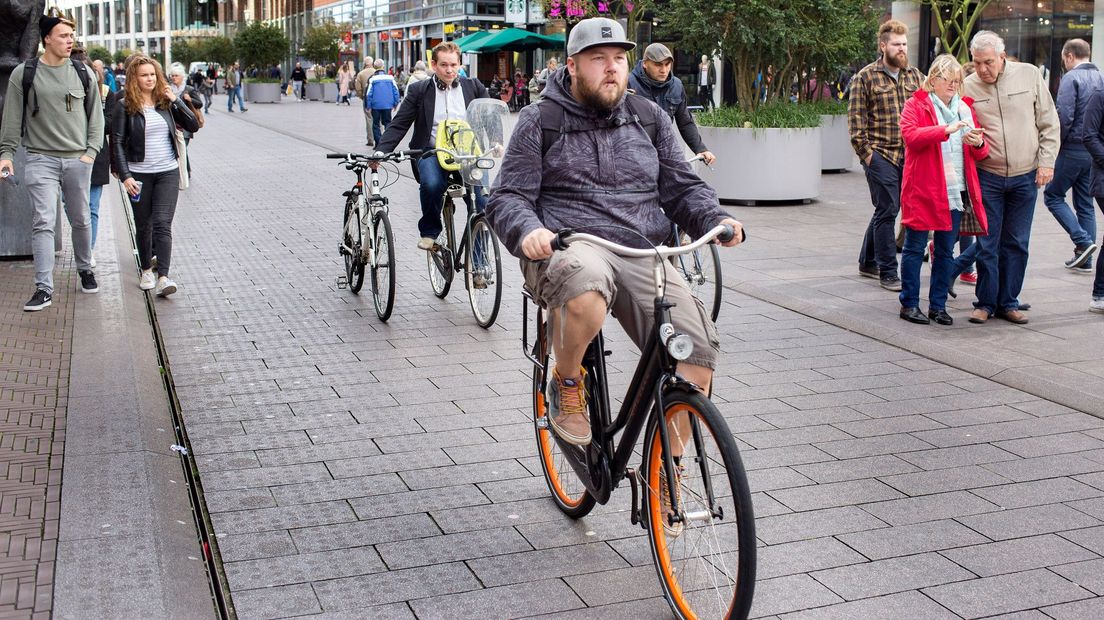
x: 1073, y: 168
x: 605, y: 176
x: 652, y: 79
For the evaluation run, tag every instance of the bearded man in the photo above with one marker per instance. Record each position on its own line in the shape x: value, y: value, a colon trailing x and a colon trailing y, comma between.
x: 878, y: 93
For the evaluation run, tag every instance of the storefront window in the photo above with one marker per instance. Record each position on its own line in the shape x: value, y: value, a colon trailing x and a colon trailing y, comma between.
x: 155, y: 18
x: 91, y: 21
x: 122, y: 17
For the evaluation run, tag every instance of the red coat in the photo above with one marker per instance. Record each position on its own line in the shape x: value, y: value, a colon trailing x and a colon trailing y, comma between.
x: 924, y: 203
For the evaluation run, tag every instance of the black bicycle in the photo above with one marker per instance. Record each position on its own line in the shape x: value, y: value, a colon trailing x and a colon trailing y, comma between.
x: 366, y: 238
x: 696, y: 505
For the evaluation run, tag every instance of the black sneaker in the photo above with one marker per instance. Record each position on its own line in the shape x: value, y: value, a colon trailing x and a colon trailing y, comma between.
x: 1080, y: 256
x: 40, y: 300
x: 869, y: 272
x: 88, y: 282
x: 891, y: 283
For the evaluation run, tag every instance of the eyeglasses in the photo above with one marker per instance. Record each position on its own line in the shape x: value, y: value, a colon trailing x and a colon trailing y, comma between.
x: 950, y: 82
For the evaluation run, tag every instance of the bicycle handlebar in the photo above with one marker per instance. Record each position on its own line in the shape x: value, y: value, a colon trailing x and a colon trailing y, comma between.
x: 397, y: 156
x: 722, y: 232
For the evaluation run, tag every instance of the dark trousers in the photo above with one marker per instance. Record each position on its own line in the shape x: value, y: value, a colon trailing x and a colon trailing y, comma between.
x: 705, y: 96
x: 153, y: 216
x: 433, y: 183
x: 1073, y: 169
x: 879, y: 247
x: 1098, y: 284
x: 1002, y: 254
x: 380, y: 120
x: 912, y: 256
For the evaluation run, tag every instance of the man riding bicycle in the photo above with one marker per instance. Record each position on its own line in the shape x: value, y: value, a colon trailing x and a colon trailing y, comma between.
x: 652, y: 79
x: 427, y: 103
x: 608, y: 175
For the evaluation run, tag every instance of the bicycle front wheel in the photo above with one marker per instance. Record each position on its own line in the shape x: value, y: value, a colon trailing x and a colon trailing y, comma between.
x: 702, y: 272
x: 383, y: 272
x: 483, y: 270
x: 706, y: 559
x: 439, y: 260
x: 354, y: 242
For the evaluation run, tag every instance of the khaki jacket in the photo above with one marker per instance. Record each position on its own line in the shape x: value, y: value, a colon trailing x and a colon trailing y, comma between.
x: 361, y: 82
x: 1020, y: 121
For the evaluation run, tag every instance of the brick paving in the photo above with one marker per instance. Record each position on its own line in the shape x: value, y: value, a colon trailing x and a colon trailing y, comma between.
x: 35, y: 353
x: 354, y: 468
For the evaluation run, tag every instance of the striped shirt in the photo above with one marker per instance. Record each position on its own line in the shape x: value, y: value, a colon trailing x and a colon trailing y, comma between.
x: 159, y: 149
x: 874, y: 110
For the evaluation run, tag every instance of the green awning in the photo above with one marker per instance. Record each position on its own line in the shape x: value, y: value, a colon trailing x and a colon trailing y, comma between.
x: 471, y: 40
x: 510, y: 40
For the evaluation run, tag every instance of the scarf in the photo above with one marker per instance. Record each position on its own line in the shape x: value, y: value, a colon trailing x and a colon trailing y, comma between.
x: 952, y: 147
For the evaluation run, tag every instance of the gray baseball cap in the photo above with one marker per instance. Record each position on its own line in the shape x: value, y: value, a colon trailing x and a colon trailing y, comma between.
x: 597, y: 31
x: 657, y: 52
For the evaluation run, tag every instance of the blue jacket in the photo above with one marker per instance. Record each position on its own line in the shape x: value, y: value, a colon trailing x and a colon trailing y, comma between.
x: 1073, y: 96
x: 1094, y: 139
x: 382, y: 93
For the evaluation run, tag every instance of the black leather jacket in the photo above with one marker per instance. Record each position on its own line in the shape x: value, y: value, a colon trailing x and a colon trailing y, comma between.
x: 128, y: 133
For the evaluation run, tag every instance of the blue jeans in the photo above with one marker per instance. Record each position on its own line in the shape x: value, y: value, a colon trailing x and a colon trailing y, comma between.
x: 879, y: 246
x: 94, y: 194
x: 964, y: 244
x: 380, y: 120
x: 1073, y: 169
x: 1002, y: 254
x: 235, y: 93
x: 912, y: 255
x: 433, y: 183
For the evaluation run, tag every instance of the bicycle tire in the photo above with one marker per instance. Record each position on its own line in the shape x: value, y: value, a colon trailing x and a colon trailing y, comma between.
x: 483, y: 260
x: 701, y: 270
x: 702, y: 546
x: 568, y: 492
x: 354, y: 258
x: 383, y: 249
x: 439, y: 260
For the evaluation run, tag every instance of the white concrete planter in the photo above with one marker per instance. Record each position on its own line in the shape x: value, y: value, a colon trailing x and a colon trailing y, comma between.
x: 262, y: 92
x: 763, y: 164
x: 835, y: 143
x: 322, y: 91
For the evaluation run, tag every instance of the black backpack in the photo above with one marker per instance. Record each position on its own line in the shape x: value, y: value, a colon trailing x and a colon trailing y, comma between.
x: 29, y: 69
x: 552, y: 117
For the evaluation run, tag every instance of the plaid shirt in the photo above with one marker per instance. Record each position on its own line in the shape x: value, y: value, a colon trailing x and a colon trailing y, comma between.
x: 874, y: 110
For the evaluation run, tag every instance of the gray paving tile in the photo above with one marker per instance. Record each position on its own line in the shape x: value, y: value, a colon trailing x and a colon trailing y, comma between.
x: 911, y: 539
x: 1030, y: 521
x: 329, y: 490
x: 440, y: 549
x: 238, y: 499
x: 891, y: 607
x: 891, y: 575
x: 1051, y: 444
x: 1018, y: 554
x: 811, y: 417
x: 804, y: 556
x: 257, y: 545
x: 888, y: 426
x: 368, y: 465
x: 791, y: 436
x: 515, y: 489
x: 834, y: 399
x: 942, y: 458
x: 279, y: 602
x: 395, y: 586
x: 265, y: 476
x: 540, y: 597
x: 1006, y: 593
x: 562, y: 530
x: 1088, y: 575
x: 854, y: 469
x: 1046, y: 467
x: 1091, y: 538
x: 458, y: 474
x: 245, y: 521
x: 616, y: 586
x: 985, y: 433
x: 929, y: 508
x: 834, y: 494
x: 303, y: 567
x: 408, y: 502
x: 652, y: 608
x: 361, y: 533
x: 873, y: 446
x: 814, y: 524
x: 1038, y: 492
x: 536, y: 565
x: 943, y: 480
x: 782, y: 457
x: 793, y: 593
x: 982, y: 415
x: 776, y: 478
x: 243, y: 443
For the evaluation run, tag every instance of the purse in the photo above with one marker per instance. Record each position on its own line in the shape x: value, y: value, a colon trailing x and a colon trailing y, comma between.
x: 181, y: 158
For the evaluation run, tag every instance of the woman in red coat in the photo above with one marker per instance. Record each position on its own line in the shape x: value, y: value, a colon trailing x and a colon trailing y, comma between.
x: 940, y: 181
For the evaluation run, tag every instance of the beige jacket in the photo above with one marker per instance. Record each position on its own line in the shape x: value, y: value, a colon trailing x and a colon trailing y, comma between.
x: 1020, y: 121
x: 361, y: 82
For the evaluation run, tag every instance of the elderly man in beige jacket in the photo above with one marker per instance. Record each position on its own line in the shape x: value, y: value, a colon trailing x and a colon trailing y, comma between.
x: 360, y: 83
x: 1021, y: 126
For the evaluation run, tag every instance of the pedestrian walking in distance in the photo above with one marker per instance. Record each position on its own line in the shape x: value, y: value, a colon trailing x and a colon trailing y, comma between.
x: 145, y: 154
x: 1073, y: 168
x: 939, y: 184
x: 878, y: 93
x: 1094, y: 142
x: 62, y: 134
x: 382, y: 97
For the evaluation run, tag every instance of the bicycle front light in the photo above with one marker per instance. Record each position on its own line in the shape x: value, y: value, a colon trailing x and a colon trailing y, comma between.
x: 484, y: 163
x: 680, y: 346
x: 476, y: 175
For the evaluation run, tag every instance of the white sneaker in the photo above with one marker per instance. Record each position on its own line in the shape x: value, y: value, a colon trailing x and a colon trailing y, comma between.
x: 147, y: 280
x: 165, y: 287
x: 1097, y: 305
x: 426, y: 243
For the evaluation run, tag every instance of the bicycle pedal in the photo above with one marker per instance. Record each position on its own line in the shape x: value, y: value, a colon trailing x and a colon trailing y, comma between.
x: 342, y: 282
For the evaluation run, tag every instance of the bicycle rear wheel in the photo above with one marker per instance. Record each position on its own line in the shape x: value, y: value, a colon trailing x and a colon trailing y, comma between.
x: 483, y: 270
x: 706, y: 562
x: 568, y: 492
x: 702, y: 272
x: 354, y: 241
x: 439, y: 260
x: 383, y: 272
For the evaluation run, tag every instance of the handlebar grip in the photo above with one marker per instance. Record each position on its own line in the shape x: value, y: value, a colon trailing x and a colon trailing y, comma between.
x: 411, y: 152
x: 336, y: 155
x: 727, y: 234
x: 560, y: 242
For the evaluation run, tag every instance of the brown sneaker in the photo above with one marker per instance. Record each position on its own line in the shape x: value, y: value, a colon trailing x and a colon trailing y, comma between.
x: 567, y: 408
x: 672, y: 529
x: 979, y: 316
x: 1013, y: 316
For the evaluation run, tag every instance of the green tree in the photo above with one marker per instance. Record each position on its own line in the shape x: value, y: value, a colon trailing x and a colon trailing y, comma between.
x: 218, y: 49
x: 321, y: 42
x: 261, y: 44
x: 121, y: 54
x: 955, y: 20
x: 187, y: 51
x: 99, y: 52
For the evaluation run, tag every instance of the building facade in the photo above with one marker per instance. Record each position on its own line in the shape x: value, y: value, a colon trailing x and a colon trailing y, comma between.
x: 148, y: 26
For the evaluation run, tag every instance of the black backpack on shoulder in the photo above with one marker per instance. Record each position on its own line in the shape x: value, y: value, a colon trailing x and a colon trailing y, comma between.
x: 31, y: 67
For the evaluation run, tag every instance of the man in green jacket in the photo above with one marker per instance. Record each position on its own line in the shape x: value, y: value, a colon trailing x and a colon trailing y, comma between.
x: 64, y: 132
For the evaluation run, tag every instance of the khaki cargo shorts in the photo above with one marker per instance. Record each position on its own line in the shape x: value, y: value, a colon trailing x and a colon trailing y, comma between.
x: 629, y: 290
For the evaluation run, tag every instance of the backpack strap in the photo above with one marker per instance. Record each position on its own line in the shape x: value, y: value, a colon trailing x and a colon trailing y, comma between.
x: 552, y: 117
x: 31, y: 67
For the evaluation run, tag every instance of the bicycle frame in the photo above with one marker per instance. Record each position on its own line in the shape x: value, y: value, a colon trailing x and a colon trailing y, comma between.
x: 448, y: 212
x: 367, y: 207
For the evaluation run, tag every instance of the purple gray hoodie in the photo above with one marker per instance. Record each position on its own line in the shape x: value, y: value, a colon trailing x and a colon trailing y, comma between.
x: 600, y: 177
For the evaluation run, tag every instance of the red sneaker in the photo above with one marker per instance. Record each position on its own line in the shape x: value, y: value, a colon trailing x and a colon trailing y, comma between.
x: 969, y: 278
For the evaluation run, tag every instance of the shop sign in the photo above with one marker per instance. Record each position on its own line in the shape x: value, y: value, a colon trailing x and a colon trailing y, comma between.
x: 397, y: 35
x: 516, y: 12
x: 450, y: 28
x: 384, y: 36
x: 415, y: 32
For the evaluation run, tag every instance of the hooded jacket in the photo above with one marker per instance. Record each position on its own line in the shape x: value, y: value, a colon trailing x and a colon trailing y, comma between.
x: 670, y: 96
x: 602, y: 176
